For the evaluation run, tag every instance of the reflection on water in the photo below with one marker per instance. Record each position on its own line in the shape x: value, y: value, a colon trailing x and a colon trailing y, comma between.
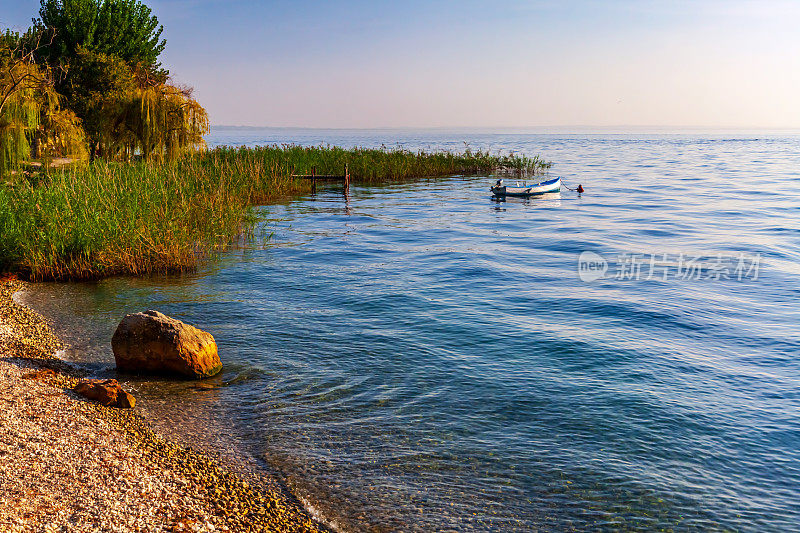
x: 419, y: 356
x: 550, y: 199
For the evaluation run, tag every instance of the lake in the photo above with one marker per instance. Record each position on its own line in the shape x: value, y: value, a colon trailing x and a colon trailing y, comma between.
x: 418, y: 356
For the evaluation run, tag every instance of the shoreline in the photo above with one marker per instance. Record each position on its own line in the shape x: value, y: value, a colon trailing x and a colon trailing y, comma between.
x: 106, y: 219
x: 67, y: 461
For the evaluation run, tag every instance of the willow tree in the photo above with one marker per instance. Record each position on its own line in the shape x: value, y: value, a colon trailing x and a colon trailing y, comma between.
x: 158, y: 121
x: 19, y: 116
x: 101, y: 56
x: 60, y: 133
x: 32, y: 122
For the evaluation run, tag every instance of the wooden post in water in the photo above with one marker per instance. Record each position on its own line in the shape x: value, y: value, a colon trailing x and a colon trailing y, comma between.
x: 347, y: 189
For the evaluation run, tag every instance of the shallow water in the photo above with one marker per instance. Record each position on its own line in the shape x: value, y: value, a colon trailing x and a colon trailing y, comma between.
x: 417, y: 356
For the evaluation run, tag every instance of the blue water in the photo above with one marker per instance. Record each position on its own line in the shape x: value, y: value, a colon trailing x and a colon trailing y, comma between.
x: 420, y: 357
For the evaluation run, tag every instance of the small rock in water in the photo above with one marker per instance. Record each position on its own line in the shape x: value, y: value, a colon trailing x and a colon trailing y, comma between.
x: 152, y: 342
x: 107, y: 392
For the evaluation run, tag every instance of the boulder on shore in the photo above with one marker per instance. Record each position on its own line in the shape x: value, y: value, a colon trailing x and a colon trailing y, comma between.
x: 105, y: 391
x: 154, y: 343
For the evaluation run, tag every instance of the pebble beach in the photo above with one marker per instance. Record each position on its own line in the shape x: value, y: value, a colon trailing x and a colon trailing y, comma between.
x: 67, y: 464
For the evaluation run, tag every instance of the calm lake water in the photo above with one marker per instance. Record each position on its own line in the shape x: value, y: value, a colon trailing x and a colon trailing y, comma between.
x: 419, y: 357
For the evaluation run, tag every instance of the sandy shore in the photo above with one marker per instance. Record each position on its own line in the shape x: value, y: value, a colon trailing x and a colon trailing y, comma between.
x: 67, y: 464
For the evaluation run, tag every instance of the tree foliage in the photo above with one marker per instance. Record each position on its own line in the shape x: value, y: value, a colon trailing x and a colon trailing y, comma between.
x: 86, y: 79
x: 126, y: 29
x: 60, y: 134
x: 94, y: 86
x: 158, y: 121
x: 32, y: 121
x: 19, y: 113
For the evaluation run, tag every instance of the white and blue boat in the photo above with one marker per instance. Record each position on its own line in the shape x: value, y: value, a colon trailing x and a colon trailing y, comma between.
x: 524, y: 189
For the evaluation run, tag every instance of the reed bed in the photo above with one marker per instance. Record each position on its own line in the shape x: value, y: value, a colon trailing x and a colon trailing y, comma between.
x: 379, y: 165
x: 137, y: 218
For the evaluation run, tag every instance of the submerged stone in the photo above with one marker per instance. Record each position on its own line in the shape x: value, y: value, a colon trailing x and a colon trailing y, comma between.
x: 107, y: 392
x: 154, y: 343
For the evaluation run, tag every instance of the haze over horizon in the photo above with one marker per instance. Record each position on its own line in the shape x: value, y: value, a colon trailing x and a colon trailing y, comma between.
x: 471, y: 64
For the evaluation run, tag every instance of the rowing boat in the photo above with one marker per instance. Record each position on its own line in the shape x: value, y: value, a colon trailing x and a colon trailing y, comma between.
x: 523, y: 189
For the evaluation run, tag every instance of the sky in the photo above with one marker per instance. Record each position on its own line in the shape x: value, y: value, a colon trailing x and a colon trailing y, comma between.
x: 483, y: 64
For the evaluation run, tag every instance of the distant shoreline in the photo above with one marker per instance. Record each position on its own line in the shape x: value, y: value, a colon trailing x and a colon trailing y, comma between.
x: 556, y: 129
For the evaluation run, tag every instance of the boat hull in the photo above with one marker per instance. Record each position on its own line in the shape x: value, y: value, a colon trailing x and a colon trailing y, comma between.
x: 553, y: 185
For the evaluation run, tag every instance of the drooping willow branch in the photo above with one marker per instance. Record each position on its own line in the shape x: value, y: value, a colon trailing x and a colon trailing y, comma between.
x: 160, y: 121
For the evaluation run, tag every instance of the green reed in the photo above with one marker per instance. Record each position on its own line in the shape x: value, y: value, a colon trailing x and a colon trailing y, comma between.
x: 376, y: 165
x: 135, y: 218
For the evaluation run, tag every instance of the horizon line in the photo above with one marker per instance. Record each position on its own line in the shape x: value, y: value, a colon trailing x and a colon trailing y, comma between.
x: 562, y: 127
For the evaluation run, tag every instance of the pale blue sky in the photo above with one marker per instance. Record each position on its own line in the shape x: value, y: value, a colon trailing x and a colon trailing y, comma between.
x: 505, y: 63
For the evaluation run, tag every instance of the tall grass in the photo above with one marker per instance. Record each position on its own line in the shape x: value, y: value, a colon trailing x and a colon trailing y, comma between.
x: 110, y: 218
x: 374, y: 165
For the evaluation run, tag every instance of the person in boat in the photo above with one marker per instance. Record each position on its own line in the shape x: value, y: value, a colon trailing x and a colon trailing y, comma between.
x: 499, y: 183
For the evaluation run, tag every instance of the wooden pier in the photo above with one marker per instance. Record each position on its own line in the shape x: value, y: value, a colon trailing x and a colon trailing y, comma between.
x: 330, y: 177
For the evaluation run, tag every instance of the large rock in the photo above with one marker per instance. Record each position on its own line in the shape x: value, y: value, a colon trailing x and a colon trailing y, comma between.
x: 105, y: 391
x: 151, y: 342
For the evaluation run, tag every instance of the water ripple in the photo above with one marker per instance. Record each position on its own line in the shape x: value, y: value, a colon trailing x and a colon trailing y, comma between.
x: 419, y: 357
